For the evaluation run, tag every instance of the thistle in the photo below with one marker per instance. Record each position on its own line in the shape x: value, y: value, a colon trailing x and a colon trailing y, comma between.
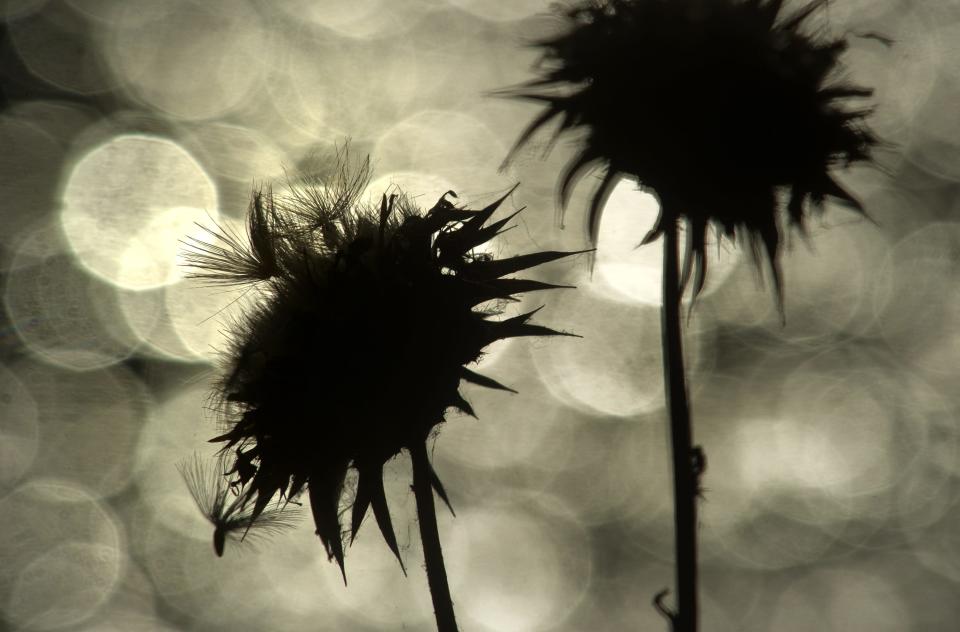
x: 728, y: 110
x: 367, y: 321
x: 737, y: 108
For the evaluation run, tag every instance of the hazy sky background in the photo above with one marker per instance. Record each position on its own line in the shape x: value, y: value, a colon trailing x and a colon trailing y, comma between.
x: 833, y: 443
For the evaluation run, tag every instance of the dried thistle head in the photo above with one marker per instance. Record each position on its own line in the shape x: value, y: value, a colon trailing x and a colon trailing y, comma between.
x: 722, y: 107
x: 366, y: 326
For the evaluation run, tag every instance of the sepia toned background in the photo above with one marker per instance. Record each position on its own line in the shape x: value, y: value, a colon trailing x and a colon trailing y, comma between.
x: 833, y: 441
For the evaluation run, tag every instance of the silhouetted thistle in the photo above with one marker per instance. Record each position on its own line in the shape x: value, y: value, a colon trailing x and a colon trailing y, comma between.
x: 727, y: 110
x: 721, y: 107
x: 367, y: 322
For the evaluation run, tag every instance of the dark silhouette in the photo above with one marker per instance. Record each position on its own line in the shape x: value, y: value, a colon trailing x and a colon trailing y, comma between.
x: 367, y: 323
x: 723, y: 108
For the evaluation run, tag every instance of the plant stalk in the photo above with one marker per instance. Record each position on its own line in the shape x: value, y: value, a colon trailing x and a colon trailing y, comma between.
x: 685, y: 619
x: 430, y: 536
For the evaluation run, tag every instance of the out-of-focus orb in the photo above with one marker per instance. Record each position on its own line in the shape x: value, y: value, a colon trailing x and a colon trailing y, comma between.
x: 89, y: 424
x: 59, y: 311
x: 502, y: 11
x: 62, y: 555
x: 423, y: 142
x: 19, y: 430
x: 192, y: 60
x: 616, y: 368
x: 841, y: 601
x: 55, y: 46
x: 128, y: 203
x: 27, y: 176
x: 918, y: 304
x: 524, y: 569
x: 361, y: 19
x: 64, y: 585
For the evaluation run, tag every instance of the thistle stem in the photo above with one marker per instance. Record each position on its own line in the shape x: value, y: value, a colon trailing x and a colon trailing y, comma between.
x: 430, y: 536
x: 684, y: 483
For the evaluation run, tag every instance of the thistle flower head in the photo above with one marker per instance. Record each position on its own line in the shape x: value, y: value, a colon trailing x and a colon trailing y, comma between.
x: 722, y: 107
x: 368, y: 321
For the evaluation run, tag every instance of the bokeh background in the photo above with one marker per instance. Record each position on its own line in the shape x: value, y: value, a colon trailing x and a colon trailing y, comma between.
x: 833, y: 443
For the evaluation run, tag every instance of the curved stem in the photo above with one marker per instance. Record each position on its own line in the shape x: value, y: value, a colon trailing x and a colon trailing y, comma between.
x: 684, y: 483
x: 430, y: 536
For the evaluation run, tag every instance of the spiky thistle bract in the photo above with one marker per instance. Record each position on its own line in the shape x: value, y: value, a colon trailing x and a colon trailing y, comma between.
x: 727, y: 109
x: 368, y: 319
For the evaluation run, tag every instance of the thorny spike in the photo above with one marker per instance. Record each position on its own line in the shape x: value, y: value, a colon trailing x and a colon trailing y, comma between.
x: 328, y: 524
x: 360, y: 503
x: 598, y: 202
x: 382, y: 514
x: 463, y: 405
x: 438, y: 487
x: 505, y: 288
x: 495, y: 268
x: 483, y: 380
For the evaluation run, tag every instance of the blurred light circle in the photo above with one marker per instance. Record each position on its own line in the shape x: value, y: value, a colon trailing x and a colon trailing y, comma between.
x: 840, y: 599
x: 89, y: 424
x: 314, y: 86
x: 829, y: 278
x: 13, y: 9
x: 423, y: 142
x: 526, y: 429
x: 19, y: 428
x: 28, y: 176
x: 527, y: 565
x: 55, y: 45
x: 42, y: 516
x: 837, y: 436
x: 145, y: 312
x: 616, y: 368
x: 238, y: 153
x: 503, y: 11
x: 362, y: 19
x: 62, y: 120
x: 127, y: 204
x: 192, y: 60
x: 204, y: 317
x: 721, y: 404
x: 301, y: 584
x: 64, y: 586
x: 185, y: 572
x: 616, y: 473
x: 629, y: 271
x: 772, y: 541
x: 60, y: 312
x: 153, y: 253
x: 132, y: 607
x: 934, y: 144
x: 937, y: 547
x: 97, y: 9
x: 861, y: 602
x: 921, y: 270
